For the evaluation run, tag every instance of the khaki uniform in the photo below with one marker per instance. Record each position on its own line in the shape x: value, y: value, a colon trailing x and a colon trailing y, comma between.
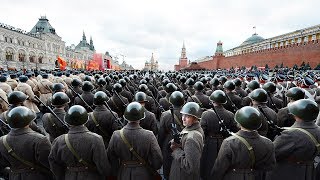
x: 13, y: 83
x: 186, y: 160
x: 44, y: 87
x: 5, y: 87
x: 124, y: 164
x: 29, y: 103
x: 31, y: 83
x: 89, y: 146
x: 3, y: 105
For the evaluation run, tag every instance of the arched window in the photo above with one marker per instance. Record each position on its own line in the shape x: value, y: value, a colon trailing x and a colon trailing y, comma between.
x: 21, y: 56
x: 40, y: 58
x: 32, y: 57
x: 9, y: 55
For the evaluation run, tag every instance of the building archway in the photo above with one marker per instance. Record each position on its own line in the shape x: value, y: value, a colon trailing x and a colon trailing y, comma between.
x: 9, y: 54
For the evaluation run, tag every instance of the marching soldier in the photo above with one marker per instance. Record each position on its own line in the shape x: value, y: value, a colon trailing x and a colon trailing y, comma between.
x: 150, y: 104
x: 133, y: 151
x: 3, y: 101
x: 186, y: 154
x: 165, y: 130
x: 199, y: 97
x: 126, y: 93
x: 150, y: 121
x: 273, y: 102
x: 252, y: 85
x: 259, y: 99
x: 190, y: 82
x: 242, y: 93
x: 4, y: 86
x: 297, y: 146
x: 101, y: 121
x: 29, y: 81
x: 23, y: 150
x: 26, y: 89
x: 233, y: 100
x: 76, y: 86
x: 79, y: 154
x: 246, y: 154
x: 12, y: 81
x: 86, y: 95
x: 164, y: 102
x: 214, y: 83
x: 51, y: 124
x: 117, y: 102
x: 44, y: 87
x: 284, y: 118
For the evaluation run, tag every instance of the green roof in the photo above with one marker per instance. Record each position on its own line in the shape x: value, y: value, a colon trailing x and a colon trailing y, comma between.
x: 43, y: 26
x: 253, y: 39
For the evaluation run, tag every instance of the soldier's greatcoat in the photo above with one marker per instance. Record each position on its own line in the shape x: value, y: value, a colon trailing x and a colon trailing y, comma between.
x: 284, y: 118
x: 88, y: 97
x: 52, y: 125
x: 89, y: 146
x: 149, y: 122
x: 124, y: 164
x: 201, y: 99
x: 32, y: 147
x: 295, y: 152
x: 233, y: 161
x: 186, y: 160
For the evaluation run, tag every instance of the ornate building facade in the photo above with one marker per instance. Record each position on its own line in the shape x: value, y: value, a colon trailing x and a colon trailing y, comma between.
x: 151, y: 65
x: 288, y: 49
x: 39, y: 48
x: 183, y: 60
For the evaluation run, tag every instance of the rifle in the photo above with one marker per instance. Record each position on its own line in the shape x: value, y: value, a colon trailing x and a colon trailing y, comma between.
x: 174, y: 130
x: 272, y: 103
x: 123, y: 103
x: 234, y: 107
x: 273, y: 129
x: 4, y: 100
x: 54, y: 114
x: 160, y: 106
x: 117, y: 119
x: 81, y: 98
x: 223, y: 128
x: 4, y: 127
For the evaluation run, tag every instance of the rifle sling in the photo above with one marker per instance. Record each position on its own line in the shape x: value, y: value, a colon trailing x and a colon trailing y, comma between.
x: 313, y: 139
x: 135, y: 154
x: 178, y: 121
x: 98, y: 125
x: 28, y: 163
x: 73, y: 151
x: 249, y: 147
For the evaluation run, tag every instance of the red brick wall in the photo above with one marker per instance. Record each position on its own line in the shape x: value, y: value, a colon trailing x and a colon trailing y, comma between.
x: 288, y: 55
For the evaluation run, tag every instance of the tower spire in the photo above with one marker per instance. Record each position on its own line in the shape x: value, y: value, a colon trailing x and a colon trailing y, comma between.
x: 183, y: 52
x: 84, y: 36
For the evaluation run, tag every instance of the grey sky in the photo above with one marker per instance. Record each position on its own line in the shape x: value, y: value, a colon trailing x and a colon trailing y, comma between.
x: 137, y: 28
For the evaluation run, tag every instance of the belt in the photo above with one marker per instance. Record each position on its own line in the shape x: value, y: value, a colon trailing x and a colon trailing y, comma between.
x: 213, y: 135
x: 296, y: 161
x: 78, y: 168
x: 131, y: 163
x: 22, y: 170
x: 235, y: 170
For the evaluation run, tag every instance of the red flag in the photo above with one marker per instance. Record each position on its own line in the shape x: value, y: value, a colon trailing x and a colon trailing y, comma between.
x: 62, y: 63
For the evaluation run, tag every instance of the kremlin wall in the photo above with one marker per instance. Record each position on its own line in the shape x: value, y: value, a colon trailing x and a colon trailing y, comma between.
x: 290, y: 49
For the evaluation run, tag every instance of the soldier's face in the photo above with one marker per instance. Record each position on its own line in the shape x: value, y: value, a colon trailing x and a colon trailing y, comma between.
x: 188, y: 120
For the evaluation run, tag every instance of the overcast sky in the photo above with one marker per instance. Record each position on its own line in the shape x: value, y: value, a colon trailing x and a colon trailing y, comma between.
x: 138, y: 28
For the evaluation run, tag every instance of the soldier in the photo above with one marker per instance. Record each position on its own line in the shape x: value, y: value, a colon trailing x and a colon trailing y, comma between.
x: 79, y: 154
x: 51, y: 124
x: 186, y: 154
x: 161, y: 90
x: 133, y: 151
x: 242, y: 93
x: 252, y: 85
x: 26, y: 89
x: 12, y: 81
x: 165, y: 135
x: 125, y: 92
x: 4, y: 86
x: 23, y: 150
x: 86, y: 95
x: 273, y: 102
x: 117, y: 102
x: 190, y: 82
x: 3, y: 101
x: 101, y: 121
x: 150, y: 121
x: 164, y: 102
x: 101, y: 86
x: 44, y: 87
x: 29, y: 81
x: 297, y: 146
x: 199, y: 97
x: 76, y: 86
x: 233, y: 100
x: 284, y: 118
x: 150, y: 104
x: 259, y: 99
x: 214, y: 82
x: 246, y: 154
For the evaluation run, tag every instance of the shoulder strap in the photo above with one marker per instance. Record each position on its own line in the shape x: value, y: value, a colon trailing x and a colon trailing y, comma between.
x: 13, y: 154
x: 313, y: 139
x: 73, y: 151
x: 142, y: 161
x: 178, y: 121
x: 198, y: 100
x: 97, y: 124
x: 249, y: 147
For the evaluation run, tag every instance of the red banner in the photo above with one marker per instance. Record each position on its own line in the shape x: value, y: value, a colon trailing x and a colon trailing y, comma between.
x: 62, y: 63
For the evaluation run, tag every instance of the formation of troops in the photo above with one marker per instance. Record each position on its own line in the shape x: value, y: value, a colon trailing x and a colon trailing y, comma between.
x: 213, y: 125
